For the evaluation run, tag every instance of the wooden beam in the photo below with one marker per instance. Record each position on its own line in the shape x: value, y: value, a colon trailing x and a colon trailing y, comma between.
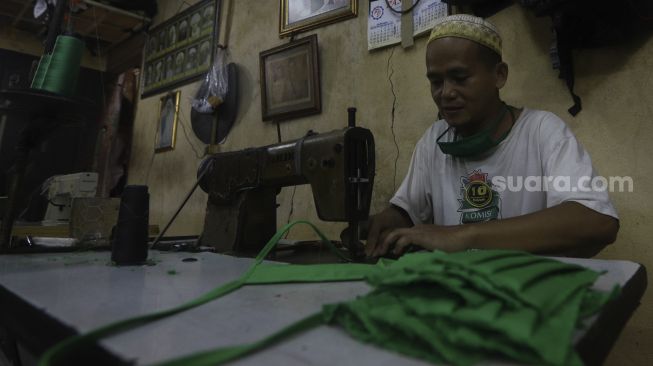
x: 21, y: 13
x: 118, y: 11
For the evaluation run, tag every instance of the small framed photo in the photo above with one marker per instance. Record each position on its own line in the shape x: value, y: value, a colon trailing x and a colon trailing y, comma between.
x: 300, y: 15
x: 290, y: 80
x: 166, y: 132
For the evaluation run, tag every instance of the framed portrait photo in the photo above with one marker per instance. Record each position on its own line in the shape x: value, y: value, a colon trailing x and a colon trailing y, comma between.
x: 180, y: 50
x: 166, y: 128
x: 290, y: 80
x: 300, y: 15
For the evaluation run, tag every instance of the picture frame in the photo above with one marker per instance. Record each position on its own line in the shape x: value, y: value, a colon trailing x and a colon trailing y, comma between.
x: 181, y: 49
x: 300, y: 15
x: 290, y: 80
x: 166, y: 127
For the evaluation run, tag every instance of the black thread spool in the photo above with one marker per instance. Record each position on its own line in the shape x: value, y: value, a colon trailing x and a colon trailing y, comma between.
x: 129, y: 241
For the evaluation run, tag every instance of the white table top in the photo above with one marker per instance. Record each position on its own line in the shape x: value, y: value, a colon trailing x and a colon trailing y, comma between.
x: 83, y: 291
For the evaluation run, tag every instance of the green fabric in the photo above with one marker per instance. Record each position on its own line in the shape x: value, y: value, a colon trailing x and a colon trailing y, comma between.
x: 60, y: 353
x: 275, y: 273
x: 466, y: 307
x: 458, y: 308
x: 223, y: 355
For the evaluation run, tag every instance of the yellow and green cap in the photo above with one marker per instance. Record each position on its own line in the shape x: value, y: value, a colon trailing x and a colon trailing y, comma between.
x: 469, y: 27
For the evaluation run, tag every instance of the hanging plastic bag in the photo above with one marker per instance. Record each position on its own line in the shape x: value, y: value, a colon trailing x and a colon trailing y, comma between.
x: 213, y: 89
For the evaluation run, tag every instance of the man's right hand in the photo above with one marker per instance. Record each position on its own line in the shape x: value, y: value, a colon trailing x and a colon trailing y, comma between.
x: 381, y: 224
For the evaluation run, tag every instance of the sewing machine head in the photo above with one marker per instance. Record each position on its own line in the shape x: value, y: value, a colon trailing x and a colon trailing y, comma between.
x: 242, y: 186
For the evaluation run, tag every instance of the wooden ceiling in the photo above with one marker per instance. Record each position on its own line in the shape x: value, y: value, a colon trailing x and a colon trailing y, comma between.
x: 108, y: 26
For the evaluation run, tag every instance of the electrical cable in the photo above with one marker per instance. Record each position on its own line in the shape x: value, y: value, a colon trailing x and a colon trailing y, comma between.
x: 99, y: 58
x: 390, y: 71
x: 181, y: 122
x: 402, y: 11
x: 149, y: 168
x: 292, y: 208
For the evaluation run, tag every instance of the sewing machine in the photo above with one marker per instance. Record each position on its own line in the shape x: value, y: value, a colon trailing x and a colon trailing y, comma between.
x: 62, y: 189
x: 243, y: 185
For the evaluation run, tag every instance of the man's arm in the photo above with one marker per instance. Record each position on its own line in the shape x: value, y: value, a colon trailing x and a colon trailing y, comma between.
x: 569, y: 228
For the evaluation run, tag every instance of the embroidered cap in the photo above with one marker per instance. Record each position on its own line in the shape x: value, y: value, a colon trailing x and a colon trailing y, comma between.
x: 469, y: 27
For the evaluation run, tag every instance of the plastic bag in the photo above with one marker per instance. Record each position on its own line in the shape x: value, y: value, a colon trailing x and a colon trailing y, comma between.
x: 213, y: 89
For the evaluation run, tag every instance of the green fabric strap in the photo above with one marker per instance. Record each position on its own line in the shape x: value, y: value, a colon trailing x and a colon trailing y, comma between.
x: 57, y: 354
x: 222, y: 355
x: 275, y: 273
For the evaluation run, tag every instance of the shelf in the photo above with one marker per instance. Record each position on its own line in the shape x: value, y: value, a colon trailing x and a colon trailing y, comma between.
x: 106, y: 24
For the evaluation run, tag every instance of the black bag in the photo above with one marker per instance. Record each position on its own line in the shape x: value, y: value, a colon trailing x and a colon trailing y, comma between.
x: 482, y: 8
x: 581, y: 24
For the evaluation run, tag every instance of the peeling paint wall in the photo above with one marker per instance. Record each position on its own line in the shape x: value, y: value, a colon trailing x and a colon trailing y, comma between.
x: 614, y: 125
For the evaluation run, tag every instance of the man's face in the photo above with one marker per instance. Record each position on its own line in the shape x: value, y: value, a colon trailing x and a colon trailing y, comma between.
x: 464, y: 88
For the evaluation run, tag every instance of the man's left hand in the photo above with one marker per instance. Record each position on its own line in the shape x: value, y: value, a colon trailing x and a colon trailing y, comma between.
x: 430, y: 237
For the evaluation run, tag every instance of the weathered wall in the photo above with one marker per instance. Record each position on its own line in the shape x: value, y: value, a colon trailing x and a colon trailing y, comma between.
x: 614, y: 125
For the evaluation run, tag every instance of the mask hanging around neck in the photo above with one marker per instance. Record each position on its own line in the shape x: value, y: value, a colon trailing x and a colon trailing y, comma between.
x: 478, y: 143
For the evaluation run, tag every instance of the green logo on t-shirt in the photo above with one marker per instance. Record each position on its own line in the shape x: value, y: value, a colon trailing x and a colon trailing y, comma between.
x: 479, y: 201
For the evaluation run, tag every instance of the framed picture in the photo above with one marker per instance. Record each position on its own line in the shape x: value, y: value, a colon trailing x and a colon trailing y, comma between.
x: 166, y: 128
x: 181, y: 49
x: 290, y: 80
x: 300, y: 15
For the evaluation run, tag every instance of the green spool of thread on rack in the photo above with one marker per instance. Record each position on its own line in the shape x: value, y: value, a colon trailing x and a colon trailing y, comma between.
x: 37, y: 83
x: 58, y: 72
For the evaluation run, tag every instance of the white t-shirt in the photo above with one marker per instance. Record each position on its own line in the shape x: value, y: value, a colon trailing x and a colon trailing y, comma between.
x: 539, y: 164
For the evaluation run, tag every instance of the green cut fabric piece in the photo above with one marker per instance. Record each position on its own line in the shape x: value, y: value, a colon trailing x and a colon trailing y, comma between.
x: 461, y: 308
x: 494, y: 304
x: 280, y: 273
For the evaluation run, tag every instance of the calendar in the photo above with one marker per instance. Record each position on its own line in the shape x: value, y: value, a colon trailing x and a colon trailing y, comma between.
x: 384, y: 25
x: 425, y: 14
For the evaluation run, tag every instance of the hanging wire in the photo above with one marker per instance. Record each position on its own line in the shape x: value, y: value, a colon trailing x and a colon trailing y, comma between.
x: 99, y: 58
x: 149, y: 168
x: 292, y: 208
x: 182, y: 121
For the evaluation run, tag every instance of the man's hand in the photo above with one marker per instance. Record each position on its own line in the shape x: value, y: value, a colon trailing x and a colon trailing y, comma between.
x: 430, y: 237
x: 566, y: 229
x: 382, y: 224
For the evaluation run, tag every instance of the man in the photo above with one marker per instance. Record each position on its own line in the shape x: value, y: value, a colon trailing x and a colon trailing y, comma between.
x: 455, y: 196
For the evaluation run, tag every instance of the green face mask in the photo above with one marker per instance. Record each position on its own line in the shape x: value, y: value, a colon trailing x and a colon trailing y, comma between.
x: 477, y: 143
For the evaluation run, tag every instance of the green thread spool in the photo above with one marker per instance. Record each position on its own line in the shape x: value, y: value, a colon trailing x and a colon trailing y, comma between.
x: 41, y: 70
x: 63, y: 68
